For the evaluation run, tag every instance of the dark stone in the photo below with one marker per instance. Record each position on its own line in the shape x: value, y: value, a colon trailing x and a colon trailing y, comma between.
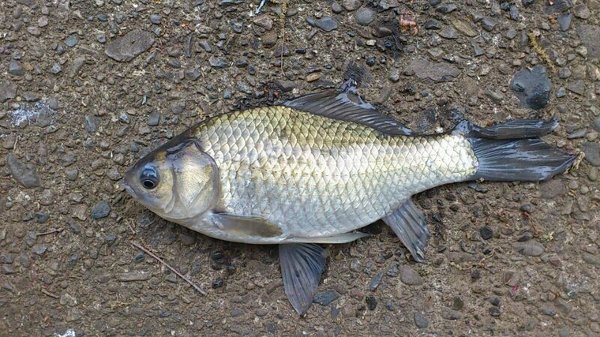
x: 326, y: 23
x: 217, y: 62
x: 532, y: 87
x: 488, y: 23
x: 21, y: 173
x: 100, y: 210
x: 446, y: 8
x: 154, y: 118
x: 218, y: 283
x: 375, y: 281
x: 592, y: 153
x: 432, y: 24
x: 371, y: 302
x: 486, y: 232
x: 129, y: 46
x: 326, y: 297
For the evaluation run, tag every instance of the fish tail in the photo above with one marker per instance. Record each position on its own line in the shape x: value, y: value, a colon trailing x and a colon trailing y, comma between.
x: 513, y: 151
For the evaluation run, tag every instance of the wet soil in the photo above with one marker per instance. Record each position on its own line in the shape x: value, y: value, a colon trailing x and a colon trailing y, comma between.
x: 87, y: 87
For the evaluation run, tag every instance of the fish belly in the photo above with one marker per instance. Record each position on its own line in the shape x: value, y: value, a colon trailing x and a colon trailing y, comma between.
x: 317, y: 177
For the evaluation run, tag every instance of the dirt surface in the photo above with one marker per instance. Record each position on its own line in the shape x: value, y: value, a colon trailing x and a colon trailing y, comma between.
x: 87, y: 87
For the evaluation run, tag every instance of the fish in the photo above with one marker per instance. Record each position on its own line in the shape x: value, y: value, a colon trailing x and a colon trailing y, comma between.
x: 314, y: 170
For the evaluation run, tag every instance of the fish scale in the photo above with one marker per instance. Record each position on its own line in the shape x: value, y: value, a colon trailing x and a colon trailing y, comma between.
x: 314, y: 176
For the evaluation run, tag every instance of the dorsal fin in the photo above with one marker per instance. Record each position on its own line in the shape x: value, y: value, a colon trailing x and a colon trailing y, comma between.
x: 348, y: 106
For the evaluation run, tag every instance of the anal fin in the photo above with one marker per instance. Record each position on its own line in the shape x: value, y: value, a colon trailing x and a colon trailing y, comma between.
x: 301, y: 267
x: 409, y: 224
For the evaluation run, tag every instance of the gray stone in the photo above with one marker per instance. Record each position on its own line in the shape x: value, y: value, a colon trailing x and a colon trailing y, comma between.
x: 39, y: 249
x: 72, y: 41
x: 15, y: 68
x: 446, y: 8
x: 577, y: 87
x: 155, y: 19
x: 437, y: 72
x: 529, y: 248
x: 100, y: 210
x: 596, y: 124
x: 129, y: 46
x: 8, y: 90
x: 432, y: 24
x: 488, y: 23
x: 217, y: 62
x: 364, y: 16
x: 326, y: 297
x: 90, y: 123
x: 410, y: 276
x: 56, y: 68
x: 592, y: 153
x: 589, y: 37
x: 26, y: 176
x: 375, y: 281
x: 326, y: 23
x: 154, y: 118
x: 420, y: 320
x: 582, y: 11
x: 451, y: 314
x: 553, y: 188
x: 532, y: 87
x: 351, y: 5
x: 564, y: 21
x: 449, y: 32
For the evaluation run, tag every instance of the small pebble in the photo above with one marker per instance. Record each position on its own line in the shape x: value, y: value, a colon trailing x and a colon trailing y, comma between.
x: 371, y: 302
x: 486, y: 233
x: 326, y: 297
x: 364, y: 16
x: 155, y: 19
x: 420, y: 320
x: 100, y: 210
x: 529, y: 248
x: 71, y: 41
x: 409, y: 276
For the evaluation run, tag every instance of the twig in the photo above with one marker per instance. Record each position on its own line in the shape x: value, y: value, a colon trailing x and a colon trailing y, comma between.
x: 46, y: 292
x: 131, y: 227
x: 52, y: 231
x: 145, y: 250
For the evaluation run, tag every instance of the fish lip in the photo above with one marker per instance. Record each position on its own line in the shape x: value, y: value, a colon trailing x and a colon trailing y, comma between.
x: 128, y: 188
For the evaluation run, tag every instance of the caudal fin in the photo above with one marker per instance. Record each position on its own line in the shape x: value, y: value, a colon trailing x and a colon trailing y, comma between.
x: 512, y: 151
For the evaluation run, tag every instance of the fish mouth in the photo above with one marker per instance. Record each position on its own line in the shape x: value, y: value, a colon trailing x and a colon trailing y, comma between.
x: 127, y: 188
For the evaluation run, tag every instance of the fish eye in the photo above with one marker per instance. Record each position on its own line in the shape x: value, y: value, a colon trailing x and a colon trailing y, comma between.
x: 149, y: 177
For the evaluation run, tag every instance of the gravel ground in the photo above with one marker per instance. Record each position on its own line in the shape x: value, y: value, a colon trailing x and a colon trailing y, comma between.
x: 87, y: 87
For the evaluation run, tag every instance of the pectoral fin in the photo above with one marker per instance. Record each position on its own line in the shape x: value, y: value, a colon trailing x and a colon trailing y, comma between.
x: 242, y: 225
x: 409, y: 224
x: 301, y: 267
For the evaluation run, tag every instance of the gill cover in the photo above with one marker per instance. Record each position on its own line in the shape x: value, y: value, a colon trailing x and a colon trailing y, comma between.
x: 195, y: 181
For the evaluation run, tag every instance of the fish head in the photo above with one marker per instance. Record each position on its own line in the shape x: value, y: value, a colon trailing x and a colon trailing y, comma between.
x: 178, y: 181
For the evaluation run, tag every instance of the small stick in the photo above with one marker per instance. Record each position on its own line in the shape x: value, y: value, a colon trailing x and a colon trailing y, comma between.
x: 52, y: 231
x: 131, y: 227
x: 49, y: 293
x: 145, y: 250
